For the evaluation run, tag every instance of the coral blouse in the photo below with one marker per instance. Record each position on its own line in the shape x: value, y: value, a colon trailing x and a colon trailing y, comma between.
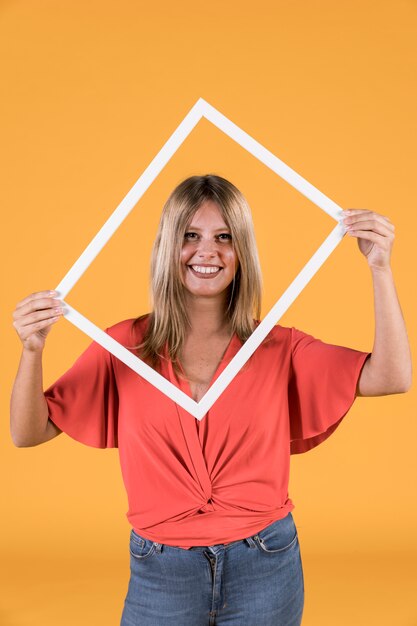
x: 224, y: 478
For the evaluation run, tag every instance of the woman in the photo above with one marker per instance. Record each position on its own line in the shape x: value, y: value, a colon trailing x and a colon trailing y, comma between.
x: 213, y: 540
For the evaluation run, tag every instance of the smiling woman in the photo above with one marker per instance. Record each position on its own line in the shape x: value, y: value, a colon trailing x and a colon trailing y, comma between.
x: 209, y: 507
x: 205, y: 223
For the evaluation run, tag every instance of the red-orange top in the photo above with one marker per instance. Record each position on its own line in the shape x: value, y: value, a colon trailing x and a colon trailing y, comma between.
x: 224, y: 478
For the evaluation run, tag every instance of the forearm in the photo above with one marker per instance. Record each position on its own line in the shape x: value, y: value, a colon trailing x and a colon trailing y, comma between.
x: 389, y: 369
x: 28, y: 407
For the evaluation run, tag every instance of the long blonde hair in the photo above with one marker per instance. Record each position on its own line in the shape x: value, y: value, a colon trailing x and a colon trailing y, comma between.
x: 168, y: 322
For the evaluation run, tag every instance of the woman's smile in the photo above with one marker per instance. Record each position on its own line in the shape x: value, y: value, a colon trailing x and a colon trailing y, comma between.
x: 205, y: 271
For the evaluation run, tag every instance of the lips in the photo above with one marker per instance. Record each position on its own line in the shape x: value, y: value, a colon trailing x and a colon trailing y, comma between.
x: 206, y: 275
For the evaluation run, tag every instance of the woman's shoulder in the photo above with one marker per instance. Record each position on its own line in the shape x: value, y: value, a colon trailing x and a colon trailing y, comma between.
x: 276, y: 331
x: 279, y: 332
x: 287, y: 338
x: 129, y: 331
x: 278, y: 336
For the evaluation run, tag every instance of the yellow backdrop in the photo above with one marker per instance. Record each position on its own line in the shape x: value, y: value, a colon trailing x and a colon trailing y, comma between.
x: 90, y: 92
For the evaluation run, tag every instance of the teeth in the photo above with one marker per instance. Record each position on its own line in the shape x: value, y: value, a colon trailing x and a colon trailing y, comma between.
x: 205, y: 270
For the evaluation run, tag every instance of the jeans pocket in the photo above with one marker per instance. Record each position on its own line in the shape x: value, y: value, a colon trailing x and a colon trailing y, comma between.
x: 141, y: 548
x: 280, y: 536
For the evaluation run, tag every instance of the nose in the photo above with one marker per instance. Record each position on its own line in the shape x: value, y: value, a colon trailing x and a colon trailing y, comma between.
x: 207, y: 248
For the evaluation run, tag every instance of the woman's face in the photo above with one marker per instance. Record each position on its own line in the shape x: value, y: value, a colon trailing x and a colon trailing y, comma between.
x: 208, y: 259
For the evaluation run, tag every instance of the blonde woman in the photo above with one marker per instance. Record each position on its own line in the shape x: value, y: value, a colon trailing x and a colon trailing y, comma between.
x: 213, y: 540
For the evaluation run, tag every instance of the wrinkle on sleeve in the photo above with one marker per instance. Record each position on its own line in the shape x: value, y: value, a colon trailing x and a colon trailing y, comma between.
x: 322, y: 388
x: 84, y: 401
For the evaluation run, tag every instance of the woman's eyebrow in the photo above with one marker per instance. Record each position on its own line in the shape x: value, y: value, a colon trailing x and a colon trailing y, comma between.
x: 215, y: 230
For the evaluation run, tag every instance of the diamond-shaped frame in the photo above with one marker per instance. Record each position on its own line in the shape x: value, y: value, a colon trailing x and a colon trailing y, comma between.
x: 199, y: 110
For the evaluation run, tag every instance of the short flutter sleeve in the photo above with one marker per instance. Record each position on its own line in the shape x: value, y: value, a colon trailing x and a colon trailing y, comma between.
x: 322, y: 388
x: 83, y: 402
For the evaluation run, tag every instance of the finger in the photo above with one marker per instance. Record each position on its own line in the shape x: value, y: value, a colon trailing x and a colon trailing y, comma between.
x: 352, y: 221
x: 382, y: 241
x: 372, y: 225
x: 50, y: 293
x: 348, y: 212
x: 37, y: 316
x: 357, y: 211
x: 30, y: 330
x: 35, y: 304
x: 354, y: 212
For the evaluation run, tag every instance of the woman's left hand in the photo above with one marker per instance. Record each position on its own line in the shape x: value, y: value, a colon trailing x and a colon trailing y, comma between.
x: 375, y: 235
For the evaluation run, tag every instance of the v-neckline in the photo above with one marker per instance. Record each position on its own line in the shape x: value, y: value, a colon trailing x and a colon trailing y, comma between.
x: 231, y: 349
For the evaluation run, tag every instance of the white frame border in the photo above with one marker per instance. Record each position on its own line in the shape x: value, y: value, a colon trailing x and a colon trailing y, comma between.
x: 199, y: 110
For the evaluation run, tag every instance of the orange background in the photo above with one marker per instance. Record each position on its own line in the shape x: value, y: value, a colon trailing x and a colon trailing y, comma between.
x: 90, y: 93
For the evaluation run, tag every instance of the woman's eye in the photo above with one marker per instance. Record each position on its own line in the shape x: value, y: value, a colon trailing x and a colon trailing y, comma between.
x: 192, y: 236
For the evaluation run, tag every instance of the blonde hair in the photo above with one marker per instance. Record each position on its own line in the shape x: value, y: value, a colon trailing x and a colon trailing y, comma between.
x: 168, y: 322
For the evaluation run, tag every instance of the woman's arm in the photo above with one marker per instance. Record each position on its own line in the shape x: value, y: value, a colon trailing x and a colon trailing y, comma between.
x: 29, y: 423
x: 389, y: 369
x: 33, y: 319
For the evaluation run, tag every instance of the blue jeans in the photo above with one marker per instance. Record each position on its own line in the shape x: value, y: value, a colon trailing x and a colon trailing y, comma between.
x: 256, y: 581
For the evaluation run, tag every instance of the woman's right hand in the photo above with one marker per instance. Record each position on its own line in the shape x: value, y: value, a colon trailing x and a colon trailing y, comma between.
x: 33, y: 318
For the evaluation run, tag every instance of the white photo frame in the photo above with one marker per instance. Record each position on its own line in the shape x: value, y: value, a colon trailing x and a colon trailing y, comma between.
x: 201, y: 109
